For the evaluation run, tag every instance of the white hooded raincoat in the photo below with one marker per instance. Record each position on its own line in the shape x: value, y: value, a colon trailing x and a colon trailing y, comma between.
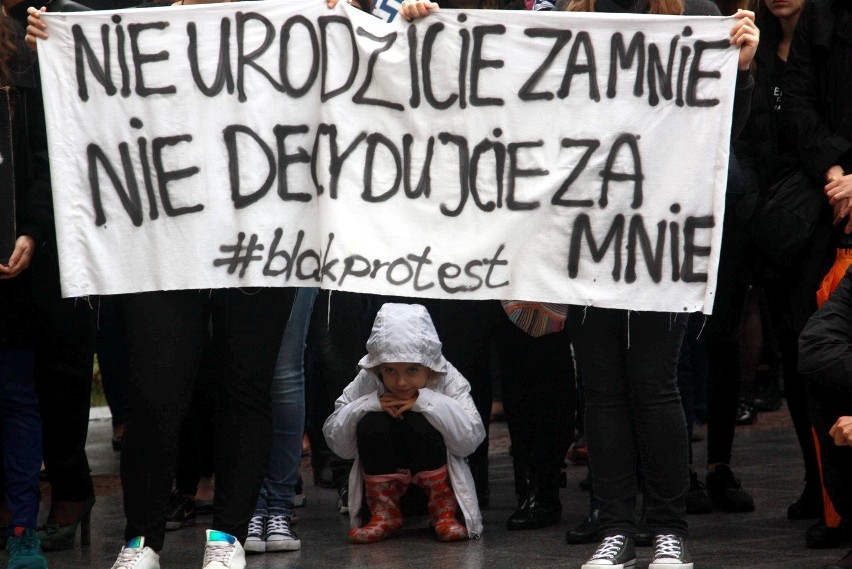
x: 405, y: 333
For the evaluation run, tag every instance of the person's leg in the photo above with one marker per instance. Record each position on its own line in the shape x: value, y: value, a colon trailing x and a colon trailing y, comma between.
x: 112, y: 360
x: 247, y: 331
x: 21, y: 436
x: 809, y: 505
x: 381, y: 447
x: 20, y: 439
x: 383, y: 452
x: 65, y: 349
x: 269, y: 529
x: 288, y: 409
x: 63, y: 369
x: 511, y: 350
x: 164, y: 332
x: 427, y: 457
x: 658, y: 419
x: 422, y: 444
x: 539, y: 399
x: 600, y: 341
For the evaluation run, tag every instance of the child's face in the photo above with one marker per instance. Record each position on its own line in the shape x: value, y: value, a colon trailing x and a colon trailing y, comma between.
x: 403, y: 379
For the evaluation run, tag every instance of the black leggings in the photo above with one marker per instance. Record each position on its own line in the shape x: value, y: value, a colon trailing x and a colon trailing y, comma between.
x: 386, y: 445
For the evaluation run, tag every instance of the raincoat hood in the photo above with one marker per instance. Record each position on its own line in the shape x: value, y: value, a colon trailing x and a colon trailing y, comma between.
x: 404, y: 333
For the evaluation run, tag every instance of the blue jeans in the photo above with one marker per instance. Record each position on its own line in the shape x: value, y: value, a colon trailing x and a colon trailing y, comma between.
x: 21, y: 435
x: 277, y: 495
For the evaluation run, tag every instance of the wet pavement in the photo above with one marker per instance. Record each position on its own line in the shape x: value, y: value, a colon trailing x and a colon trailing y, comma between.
x: 766, y: 458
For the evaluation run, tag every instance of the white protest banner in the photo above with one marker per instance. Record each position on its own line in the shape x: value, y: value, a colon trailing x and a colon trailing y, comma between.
x: 473, y: 155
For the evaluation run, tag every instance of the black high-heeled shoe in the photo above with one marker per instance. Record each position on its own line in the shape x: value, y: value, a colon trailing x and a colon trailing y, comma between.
x: 57, y: 537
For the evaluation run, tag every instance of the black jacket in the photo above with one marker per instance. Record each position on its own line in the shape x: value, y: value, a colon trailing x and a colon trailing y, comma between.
x: 761, y: 151
x: 34, y: 205
x: 817, y: 113
x: 825, y: 345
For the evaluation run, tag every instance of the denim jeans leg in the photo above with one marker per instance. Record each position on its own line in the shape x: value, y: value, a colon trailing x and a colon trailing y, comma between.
x: 21, y: 428
x: 288, y: 412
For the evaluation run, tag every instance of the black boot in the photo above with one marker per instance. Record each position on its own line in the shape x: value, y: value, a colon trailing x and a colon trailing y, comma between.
x: 541, y: 506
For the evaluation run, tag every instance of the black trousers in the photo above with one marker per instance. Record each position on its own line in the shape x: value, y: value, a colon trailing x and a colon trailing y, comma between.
x: 633, y: 414
x: 65, y: 351
x: 165, y: 332
x: 540, y: 400
x: 112, y: 357
x: 724, y: 330
x: 386, y: 445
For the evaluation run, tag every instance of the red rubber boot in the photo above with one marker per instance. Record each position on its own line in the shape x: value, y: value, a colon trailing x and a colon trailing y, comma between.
x: 383, y: 494
x: 442, y: 504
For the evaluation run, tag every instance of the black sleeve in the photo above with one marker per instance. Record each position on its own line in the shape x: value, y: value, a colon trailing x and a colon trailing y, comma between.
x: 39, y: 209
x: 742, y: 103
x: 817, y: 146
x: 825, y: 345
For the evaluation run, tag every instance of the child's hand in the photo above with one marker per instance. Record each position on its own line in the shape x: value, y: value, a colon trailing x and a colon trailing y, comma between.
x: 394, y: 406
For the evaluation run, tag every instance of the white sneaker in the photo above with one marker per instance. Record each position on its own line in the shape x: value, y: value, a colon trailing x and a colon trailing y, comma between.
x: 135, y: 555
x: 223, y: 551
x: 279, y: 536
x: 255, y: 541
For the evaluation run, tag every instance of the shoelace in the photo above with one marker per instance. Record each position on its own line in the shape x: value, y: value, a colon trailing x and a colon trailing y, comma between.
x: 609, y: 548
x: 127, y: 558
x: 218, y: 553
x: 667, y: 546
x: 255, y: 527
x: 279, y: 525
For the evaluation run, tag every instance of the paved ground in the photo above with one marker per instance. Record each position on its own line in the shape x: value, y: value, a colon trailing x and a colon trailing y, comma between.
x: 766, y: 458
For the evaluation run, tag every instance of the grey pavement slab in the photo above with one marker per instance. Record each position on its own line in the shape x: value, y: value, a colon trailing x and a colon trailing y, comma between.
x: 766, y: 458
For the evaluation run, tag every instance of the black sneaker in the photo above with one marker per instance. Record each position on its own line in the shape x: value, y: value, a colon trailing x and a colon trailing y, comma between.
x: 181, y: 511
x: 696, y: 498
x: 300, y: 500
x: 670, y: 553
x: 725, y: 491
x: 746, y: 413
x: 615, y: 552
x: 343, y: 500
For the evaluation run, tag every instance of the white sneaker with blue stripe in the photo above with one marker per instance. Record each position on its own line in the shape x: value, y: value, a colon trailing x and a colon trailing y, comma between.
x: 136, y: 555
x: 223, y: 551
